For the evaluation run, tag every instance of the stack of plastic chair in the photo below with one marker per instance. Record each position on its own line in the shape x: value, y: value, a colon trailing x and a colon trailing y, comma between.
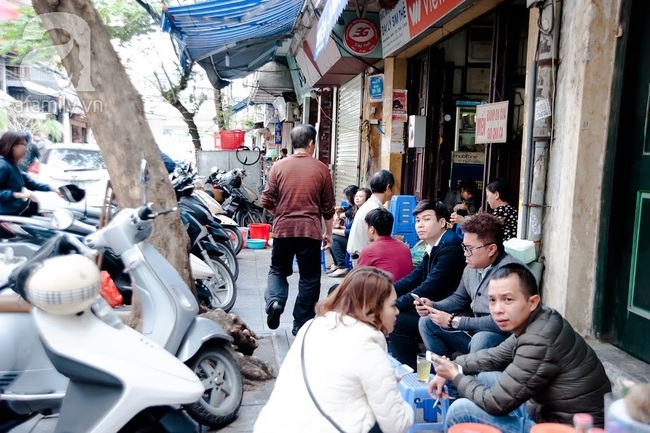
x: 402, y: 207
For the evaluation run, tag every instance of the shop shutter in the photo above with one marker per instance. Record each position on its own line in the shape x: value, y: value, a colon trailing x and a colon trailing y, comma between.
x: 348, y: 135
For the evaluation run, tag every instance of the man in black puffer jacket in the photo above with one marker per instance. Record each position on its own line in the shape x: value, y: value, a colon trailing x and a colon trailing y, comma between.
x: 544, y: 360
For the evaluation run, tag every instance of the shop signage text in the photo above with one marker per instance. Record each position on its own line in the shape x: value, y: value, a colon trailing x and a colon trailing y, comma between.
x: 376, y: 87
x: 468, y: 158
x: 399, y: 106
x: 361, y: 36
x: 492, y: 123
x: 409, y: 18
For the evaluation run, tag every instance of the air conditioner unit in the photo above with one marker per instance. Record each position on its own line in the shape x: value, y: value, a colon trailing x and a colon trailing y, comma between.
x: 280, y: 106
x: 293, y: 112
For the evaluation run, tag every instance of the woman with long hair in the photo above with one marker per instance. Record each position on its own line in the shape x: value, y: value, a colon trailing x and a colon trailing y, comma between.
x: 355, y: 197
x: 497, y: 196
x: 337, y: 376
x: 16, y: 196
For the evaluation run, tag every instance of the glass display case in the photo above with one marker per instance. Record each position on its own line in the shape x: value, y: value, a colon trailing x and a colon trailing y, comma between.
x: 466, y: 127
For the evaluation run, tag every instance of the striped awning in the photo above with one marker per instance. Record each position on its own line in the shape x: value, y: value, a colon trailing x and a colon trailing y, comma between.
x: 230, y: 38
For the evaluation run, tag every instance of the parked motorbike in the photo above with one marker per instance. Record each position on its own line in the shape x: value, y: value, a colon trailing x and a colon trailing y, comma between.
x: 239, y: 201
x: 169, y: 318
x: 118, y: 380
x: 213, y: 238
x: 184, y: 174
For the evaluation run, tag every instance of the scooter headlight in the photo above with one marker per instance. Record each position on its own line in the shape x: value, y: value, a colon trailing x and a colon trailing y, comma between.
x: 64, y: 284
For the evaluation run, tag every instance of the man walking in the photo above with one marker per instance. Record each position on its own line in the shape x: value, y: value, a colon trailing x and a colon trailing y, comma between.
x: 435, y: 278
x: 299, y: 192
x: 462, y: 322
x: 381, y: 186
x: 544, y: 359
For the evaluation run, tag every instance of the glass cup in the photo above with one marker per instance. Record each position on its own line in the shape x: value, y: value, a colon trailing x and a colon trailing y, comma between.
x: 424, y: 367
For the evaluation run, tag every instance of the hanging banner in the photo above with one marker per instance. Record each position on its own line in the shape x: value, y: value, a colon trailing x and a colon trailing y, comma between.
x: 399, y: 106
x: 492, y: 123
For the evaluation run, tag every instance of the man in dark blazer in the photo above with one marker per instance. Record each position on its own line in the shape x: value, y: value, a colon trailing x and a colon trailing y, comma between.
x: 435, y: 278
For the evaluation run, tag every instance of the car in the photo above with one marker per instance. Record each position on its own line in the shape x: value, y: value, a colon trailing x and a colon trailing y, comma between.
x: 72, y: 163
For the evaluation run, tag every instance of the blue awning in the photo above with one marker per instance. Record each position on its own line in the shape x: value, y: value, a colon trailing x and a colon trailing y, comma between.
x: 236, y: 108
x: 230, y: 38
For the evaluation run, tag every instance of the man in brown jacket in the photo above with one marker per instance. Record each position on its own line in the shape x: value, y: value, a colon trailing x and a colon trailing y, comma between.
x: 299, y: 193
x: 544, y: 360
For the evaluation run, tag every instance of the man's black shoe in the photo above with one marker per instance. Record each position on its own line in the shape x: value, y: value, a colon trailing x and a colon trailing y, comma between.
x: 295, y: 330
x: 273, y: 314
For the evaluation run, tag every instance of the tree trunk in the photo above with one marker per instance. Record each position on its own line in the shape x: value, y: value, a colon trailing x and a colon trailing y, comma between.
x: 115, y: 113
x: 218, y: 107
x: 188, y: 117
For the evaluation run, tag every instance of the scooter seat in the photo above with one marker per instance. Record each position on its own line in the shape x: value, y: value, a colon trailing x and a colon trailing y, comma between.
x: 12, y: 302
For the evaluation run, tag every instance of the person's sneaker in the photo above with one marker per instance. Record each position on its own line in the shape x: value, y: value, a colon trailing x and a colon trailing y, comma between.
x: 295, y: 329
x: 339, y: 273
x: 273, y: 314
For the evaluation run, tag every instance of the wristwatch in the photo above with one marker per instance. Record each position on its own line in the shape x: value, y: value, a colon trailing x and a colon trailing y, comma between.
x: 455, y: 322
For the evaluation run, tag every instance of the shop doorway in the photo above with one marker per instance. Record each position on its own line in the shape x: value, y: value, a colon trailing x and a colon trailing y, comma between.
x: 425, y: 93
x: 627, y: 288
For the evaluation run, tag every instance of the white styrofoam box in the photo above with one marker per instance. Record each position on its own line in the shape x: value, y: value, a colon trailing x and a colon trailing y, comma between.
x: 521, y: 249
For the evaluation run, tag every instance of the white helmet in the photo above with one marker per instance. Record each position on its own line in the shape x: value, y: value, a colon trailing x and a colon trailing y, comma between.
x: 64, y: 284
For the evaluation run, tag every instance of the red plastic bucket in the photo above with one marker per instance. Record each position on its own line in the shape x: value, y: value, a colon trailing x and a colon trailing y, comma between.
x: 259, y: 231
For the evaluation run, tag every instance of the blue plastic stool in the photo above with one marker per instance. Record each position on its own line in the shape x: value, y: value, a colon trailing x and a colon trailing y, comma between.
x: 347, y: 261
x: 322, y: 260
x: 416, y: 394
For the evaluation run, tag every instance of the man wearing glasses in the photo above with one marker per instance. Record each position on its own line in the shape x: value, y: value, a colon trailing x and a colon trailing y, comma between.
x: 462, y: 321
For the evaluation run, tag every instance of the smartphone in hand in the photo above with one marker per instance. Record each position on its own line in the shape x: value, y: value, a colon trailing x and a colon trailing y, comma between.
x: 416, y: 297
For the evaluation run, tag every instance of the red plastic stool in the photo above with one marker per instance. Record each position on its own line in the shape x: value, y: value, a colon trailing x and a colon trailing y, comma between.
x: 472, y: 427
x: 552, y: 427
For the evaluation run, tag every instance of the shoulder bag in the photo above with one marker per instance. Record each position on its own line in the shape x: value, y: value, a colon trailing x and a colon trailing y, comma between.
x: 304, y: 376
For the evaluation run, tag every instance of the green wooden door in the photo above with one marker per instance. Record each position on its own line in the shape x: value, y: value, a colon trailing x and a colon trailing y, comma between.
x: 628, y: 264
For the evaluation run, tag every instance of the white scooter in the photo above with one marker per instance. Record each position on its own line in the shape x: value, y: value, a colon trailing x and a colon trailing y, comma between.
x: 117, y: 376
x: 169, y: 316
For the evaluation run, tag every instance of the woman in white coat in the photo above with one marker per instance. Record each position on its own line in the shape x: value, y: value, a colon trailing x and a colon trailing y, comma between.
x: 345, y: 364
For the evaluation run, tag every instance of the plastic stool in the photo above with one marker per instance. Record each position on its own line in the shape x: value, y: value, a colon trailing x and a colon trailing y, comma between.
x: 472, y: 427
x: 322, y: 260
x: 416, y: 394
x: 347, y: 261
x: 552, y: 427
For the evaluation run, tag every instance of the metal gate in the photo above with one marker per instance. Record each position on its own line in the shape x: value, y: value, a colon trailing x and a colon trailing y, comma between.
x: 348, y: 135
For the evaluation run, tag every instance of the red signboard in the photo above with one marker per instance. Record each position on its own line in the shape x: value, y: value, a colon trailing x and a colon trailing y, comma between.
x: 423, y: 13
x: 361, y: 36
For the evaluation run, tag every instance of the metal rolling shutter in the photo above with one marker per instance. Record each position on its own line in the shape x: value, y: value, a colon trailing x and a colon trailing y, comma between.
x: 348, y: 134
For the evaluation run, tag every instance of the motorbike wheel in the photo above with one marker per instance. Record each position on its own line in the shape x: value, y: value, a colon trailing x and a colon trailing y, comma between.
x: 218, y: 291
x: 235, y: 238
x: 224, y: 387
x: 248, y: 216
x: 228, y: 257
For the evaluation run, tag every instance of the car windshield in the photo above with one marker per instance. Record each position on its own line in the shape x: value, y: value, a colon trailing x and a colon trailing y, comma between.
x: 75, y: 159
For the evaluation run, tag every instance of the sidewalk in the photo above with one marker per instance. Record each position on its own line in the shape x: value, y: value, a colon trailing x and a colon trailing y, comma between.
x: 273, y: 345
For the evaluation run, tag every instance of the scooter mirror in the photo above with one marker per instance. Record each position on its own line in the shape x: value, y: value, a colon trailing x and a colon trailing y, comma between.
x: 213, y: 169
x: 62, y: 218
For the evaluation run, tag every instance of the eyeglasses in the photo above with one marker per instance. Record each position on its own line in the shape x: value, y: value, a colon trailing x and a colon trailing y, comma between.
x: 470, y: 250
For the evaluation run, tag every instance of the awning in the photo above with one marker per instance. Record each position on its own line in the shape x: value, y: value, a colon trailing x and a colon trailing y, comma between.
x: 40, y: 89
x: 230, y: 38
x: 6, y: 100
x: 271, y: 80
x: 240, y: 105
